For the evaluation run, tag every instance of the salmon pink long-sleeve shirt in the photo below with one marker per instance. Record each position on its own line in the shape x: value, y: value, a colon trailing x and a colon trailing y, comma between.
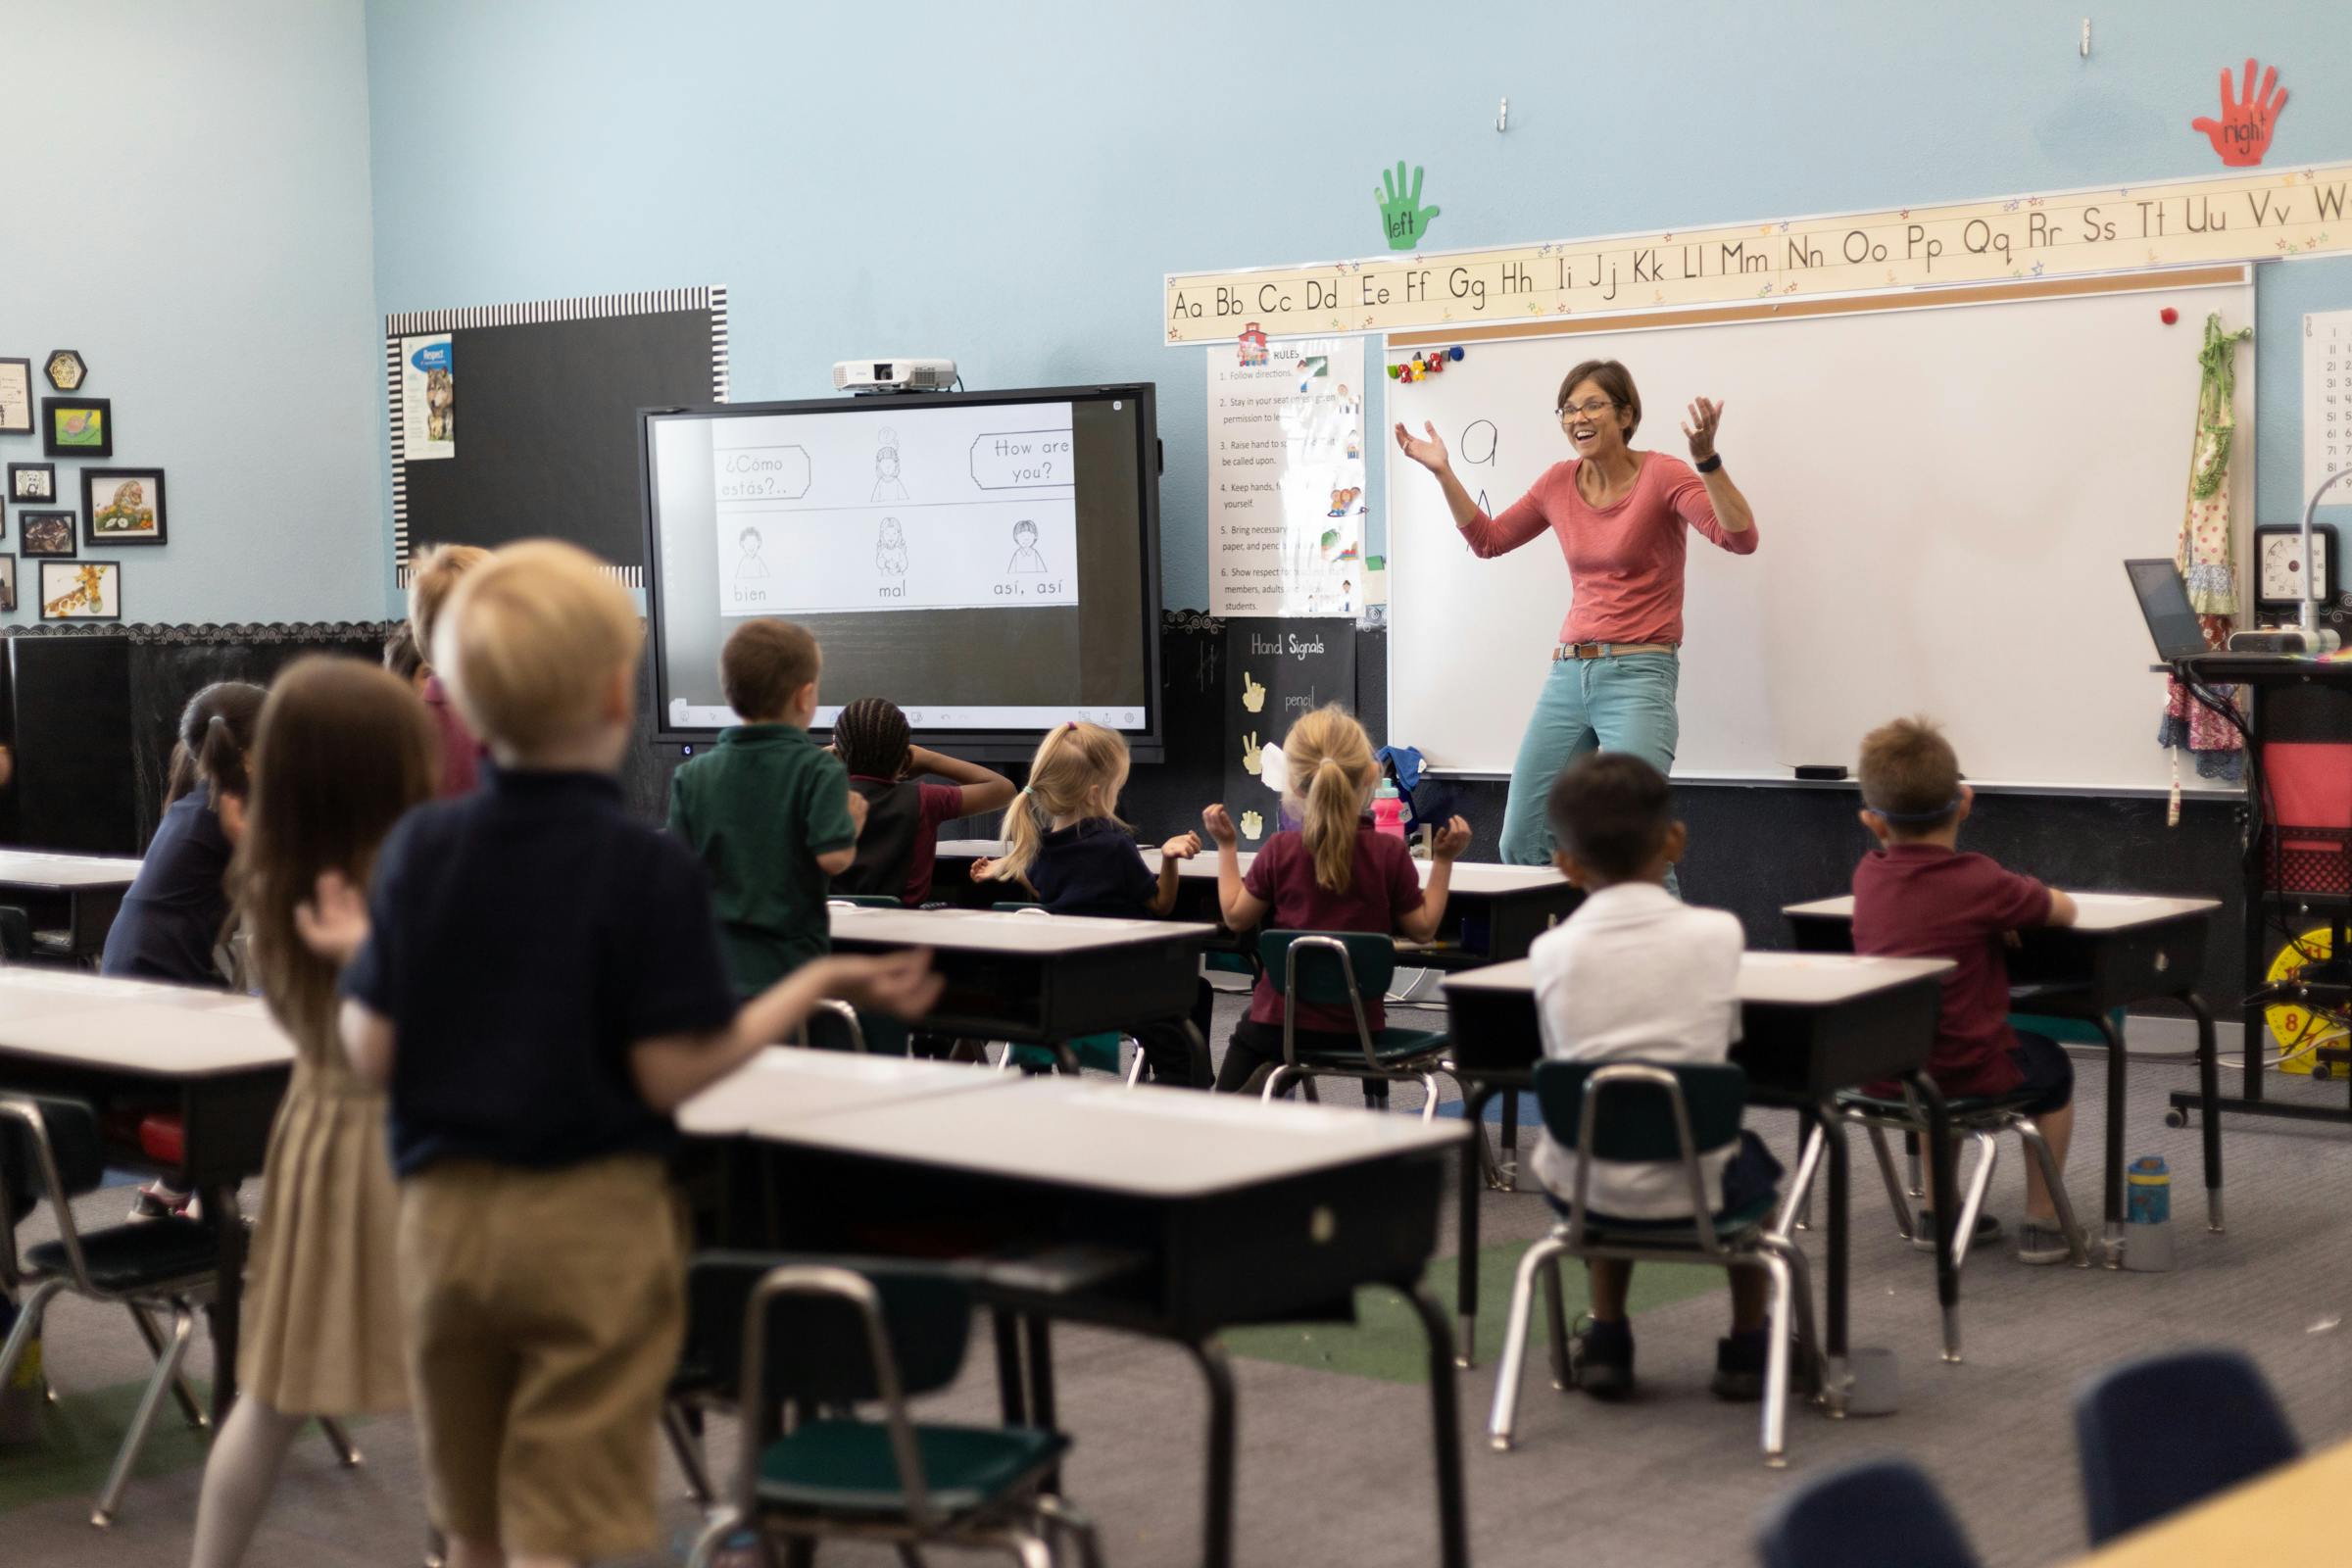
x: 1627, y: 559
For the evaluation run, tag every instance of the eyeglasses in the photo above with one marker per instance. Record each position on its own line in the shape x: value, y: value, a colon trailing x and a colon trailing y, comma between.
x: 1590, y: 408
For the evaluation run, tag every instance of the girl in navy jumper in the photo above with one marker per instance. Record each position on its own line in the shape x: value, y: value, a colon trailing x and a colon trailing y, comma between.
x: 177, y: 909
x: 1066, y: 845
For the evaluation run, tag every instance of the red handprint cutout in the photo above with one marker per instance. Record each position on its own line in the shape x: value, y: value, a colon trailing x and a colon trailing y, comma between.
x: 2243, y: 132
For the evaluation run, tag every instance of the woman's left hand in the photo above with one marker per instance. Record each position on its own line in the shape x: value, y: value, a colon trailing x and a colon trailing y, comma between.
x: 1700, y: 429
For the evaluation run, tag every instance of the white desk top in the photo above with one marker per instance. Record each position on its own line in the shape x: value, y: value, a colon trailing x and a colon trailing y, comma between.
x: 2096, y: 912
x: 1481, y: 877
x: 165, y: 1031
x: 40, y: 868
x: 786, y: 1085
x: 1023, y: 935
x: 1766, y: 979
x: 1150, y: 1142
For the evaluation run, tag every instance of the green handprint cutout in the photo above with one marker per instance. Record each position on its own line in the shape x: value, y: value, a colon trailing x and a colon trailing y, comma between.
x: 1402, y: 215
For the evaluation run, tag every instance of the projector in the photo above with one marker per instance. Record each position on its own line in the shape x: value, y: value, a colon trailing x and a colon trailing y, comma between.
x: 861, y: 377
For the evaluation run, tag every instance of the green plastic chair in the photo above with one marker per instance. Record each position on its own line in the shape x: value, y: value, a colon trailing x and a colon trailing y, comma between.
x: 1655, y: 1114
x: 821, y: 1335
x: 1100, y: 1051
x: 1344, y: 968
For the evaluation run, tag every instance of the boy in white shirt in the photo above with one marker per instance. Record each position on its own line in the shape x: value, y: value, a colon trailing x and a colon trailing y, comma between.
x: 1637, y: 975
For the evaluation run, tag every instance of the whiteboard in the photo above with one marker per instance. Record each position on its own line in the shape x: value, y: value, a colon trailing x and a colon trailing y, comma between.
x: 1944, y: 498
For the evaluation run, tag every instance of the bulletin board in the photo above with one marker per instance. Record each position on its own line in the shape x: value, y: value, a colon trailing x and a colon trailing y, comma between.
x: 519, y: 421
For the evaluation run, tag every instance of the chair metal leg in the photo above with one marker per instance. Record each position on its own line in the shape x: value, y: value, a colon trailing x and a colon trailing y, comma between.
x: 1428, y: 1106
x: 1308, y: 1089
x: 1069, y: 1522
x: 1980, y: 1179
x: 1895, y: 1199
x: 346, y: 1455
x: 1776, y: 1358
x: 1135, y: 1069
x: 1808, y: 1341
x: 1799, y: 1195
x: 28, y: 1324
x: 715, y: 1534
x: 183, y: 1327
x: 1555, y: 1322
x: 1917, y: 1186
x: 2078, y: 1245
x: 191, y: 1410
x: 1508, y: 1371
x: 688, y: 1450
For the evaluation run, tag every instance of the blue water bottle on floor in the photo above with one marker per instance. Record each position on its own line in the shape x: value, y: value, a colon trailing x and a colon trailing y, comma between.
x: 2148, y: 1215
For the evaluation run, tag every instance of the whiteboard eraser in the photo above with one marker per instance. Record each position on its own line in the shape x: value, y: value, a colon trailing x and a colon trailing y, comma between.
x: 1828, y: 772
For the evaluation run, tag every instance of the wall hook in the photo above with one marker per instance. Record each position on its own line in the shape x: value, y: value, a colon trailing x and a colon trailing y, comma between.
x: 1502, y: 113
x: 2087, y: 37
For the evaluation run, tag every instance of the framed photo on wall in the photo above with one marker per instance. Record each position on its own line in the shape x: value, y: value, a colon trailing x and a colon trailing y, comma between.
x: 82, y: 590
x: 32, y: 482
x: 8, y: 584
x: 78, y: 427
x: 45, y: 533
x: 121, y: 506
x: 16, y: 397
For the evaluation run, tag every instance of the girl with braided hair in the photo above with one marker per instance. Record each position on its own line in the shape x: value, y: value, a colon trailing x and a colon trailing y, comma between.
x: 899, y: 846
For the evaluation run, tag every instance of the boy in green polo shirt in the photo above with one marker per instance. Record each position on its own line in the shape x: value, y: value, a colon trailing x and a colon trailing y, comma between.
x: 767, y: 810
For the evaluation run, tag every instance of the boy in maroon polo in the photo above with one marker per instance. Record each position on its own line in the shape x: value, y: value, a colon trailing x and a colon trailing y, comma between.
x: 1918, y: 895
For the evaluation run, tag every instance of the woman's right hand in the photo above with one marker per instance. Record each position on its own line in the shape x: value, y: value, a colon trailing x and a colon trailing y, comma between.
x: 1428, y: 451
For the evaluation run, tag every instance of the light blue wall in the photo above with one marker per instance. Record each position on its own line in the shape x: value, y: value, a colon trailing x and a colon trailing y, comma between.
x: 1007, y: 183
x: 184, y: 198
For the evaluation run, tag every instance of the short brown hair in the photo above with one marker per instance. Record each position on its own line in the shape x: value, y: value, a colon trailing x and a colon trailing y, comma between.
x: 432, y: 578
x: 1615, y: 380
x: 1910, y: 775
x: 766, y: 661
x: 530, y: 640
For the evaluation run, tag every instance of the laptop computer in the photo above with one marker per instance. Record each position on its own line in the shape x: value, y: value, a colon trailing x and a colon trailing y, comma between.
x: 2164, y: 602
x: 2173, y: 620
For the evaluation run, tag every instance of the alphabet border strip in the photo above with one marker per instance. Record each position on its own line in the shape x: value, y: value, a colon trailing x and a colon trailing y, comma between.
x: 2256, y: 216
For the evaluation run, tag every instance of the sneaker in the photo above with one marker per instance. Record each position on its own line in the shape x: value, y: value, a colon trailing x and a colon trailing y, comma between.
x: 158, y: 1201
x: 1600, y: 1359
x: 2041, y: 1240
x: 1923, y: 1232
x: 1739, y: 1366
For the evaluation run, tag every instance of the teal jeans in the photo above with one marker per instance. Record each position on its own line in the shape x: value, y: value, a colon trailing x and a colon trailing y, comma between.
x: 1624, y: 703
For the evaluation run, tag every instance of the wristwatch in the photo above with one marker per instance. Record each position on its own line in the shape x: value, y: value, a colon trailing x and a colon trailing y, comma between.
x: 1710, y: 462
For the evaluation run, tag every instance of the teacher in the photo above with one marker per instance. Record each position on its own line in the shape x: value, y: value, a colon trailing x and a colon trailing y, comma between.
x: 1619, y: 515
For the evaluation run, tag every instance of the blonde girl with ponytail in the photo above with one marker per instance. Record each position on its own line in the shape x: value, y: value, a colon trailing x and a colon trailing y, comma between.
x: 1333, y: 873
x: 1066, y: 844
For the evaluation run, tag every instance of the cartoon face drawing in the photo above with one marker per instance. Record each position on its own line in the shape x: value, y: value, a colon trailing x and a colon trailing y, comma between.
x: 747, y: 564
x: 1025, y: 558
x: 886, y: 466
x: 890, y: 549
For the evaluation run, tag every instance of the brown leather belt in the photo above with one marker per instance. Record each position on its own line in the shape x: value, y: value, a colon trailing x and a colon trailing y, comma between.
x: 1567, y: 651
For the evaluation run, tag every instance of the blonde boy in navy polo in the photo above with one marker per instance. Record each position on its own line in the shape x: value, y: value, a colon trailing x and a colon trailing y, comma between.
x: 767, y: 810
x: 536, y: 979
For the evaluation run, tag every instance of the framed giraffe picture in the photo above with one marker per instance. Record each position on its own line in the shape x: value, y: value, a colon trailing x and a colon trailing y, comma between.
x: 82, y: 590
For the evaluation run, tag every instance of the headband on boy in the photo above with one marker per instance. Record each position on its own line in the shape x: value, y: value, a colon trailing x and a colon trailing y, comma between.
x: 1916, y: 818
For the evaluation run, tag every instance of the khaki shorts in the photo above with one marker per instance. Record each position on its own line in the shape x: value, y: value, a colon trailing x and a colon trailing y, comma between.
x: 545, y: 1311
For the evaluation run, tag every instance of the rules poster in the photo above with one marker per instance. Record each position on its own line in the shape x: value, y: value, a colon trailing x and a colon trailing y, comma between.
x: 1286, y: 477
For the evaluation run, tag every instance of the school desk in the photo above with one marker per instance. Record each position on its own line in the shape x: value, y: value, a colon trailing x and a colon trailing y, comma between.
x: 129, y: 1047
x: 1039, y: 979
x: 1810, y: 1025
x: 2290, y: 1517
x: 1189, y: 1213
x: 91, y: 886
x: 1491, y: 911
x: 2122, y: 949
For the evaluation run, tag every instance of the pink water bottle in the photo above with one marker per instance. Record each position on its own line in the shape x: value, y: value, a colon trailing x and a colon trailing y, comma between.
x: 1388, y: 811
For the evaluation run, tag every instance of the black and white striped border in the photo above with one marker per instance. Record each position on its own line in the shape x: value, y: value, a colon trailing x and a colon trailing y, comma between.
x: 589, y: 306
